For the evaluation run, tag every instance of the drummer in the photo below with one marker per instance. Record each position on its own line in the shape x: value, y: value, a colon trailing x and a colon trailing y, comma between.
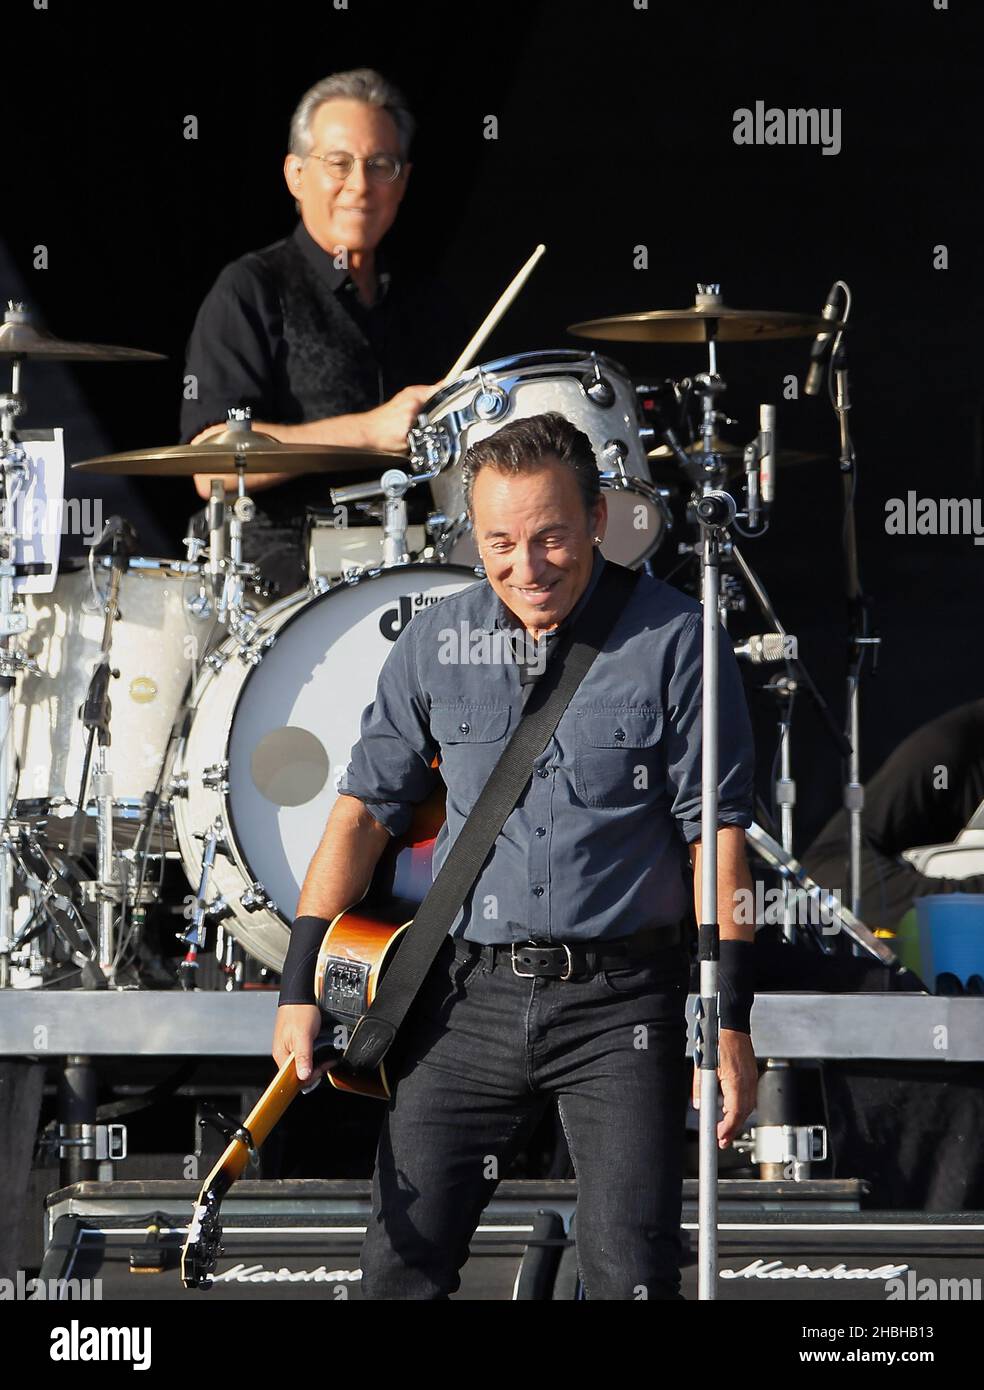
x: 315, y: 333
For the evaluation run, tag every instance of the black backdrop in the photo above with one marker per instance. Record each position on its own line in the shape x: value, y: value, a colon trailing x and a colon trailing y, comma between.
x: 615, y: 130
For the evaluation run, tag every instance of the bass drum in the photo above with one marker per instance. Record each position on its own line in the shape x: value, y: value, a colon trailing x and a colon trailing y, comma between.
x: 268, y: 741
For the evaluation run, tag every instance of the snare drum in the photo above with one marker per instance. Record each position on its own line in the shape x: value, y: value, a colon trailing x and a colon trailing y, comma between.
x: 591, y: 391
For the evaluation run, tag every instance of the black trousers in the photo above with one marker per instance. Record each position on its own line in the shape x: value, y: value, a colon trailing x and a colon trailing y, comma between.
x: 481, y: 1054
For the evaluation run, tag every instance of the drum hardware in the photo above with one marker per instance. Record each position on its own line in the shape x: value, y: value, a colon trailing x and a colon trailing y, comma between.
x: 827, y: 906
x: 106, y: 891
x: 203, y: 912
x: 97, y: 891
x: 392, y: 488
x: 335, y: 551
x: 593, y: 392
x: 53, y: 905
x: 231, y: 958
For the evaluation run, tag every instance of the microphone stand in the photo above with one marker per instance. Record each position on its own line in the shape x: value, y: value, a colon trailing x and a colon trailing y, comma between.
x: 860, y: 634
x: 96, y: 716
x: 716, y: 511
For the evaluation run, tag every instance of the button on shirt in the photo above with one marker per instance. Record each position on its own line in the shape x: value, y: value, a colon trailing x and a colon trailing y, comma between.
x: 596, y: 845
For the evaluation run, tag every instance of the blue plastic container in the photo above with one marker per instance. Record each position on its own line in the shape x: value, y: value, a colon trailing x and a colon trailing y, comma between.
x: 951, y: 935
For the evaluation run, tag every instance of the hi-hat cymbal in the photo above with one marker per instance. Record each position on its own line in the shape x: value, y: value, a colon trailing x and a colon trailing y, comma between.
x: 733, y: 455
x: 255, y: 452
x: 707, y: 319
x: 20, y: 338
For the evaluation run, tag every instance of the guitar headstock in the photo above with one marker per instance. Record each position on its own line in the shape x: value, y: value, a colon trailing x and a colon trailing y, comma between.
x: 204, y: 1243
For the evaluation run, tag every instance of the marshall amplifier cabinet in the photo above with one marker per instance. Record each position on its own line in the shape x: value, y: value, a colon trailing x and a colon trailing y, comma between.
x: 301, y: 1239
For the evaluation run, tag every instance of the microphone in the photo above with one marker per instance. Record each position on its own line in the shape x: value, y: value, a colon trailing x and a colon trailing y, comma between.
x: 752, y: 480
x: 814, y: 377
x: 763, y: 648
x: 767, y: 454
x: 216, y: 528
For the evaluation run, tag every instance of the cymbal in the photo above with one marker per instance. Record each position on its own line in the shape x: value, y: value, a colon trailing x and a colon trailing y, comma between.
x: 20, y: 338
x: 261, y: 453
x: 708, y: 318
x: 732, y: 454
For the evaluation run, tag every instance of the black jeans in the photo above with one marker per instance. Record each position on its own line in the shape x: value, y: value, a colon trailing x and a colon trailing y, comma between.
x: 480, y: 1056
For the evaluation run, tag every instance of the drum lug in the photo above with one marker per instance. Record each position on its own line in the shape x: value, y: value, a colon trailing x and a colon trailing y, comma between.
x: 216, y: 660
x: 179, y: 784
x: 598, y: 388
x: 214, y: 776
x: 252, y: 653
x: 256, y: 898
x: 430, y: 447
x: 613, y: 454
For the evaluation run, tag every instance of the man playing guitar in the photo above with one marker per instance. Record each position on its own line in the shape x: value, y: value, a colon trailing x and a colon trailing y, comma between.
x: 565, y: 972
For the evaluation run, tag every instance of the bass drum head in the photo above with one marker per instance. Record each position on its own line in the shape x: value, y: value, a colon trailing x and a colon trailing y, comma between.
x: 295, y: 722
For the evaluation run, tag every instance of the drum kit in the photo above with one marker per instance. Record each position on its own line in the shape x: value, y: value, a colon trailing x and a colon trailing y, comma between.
x: 161, y: 713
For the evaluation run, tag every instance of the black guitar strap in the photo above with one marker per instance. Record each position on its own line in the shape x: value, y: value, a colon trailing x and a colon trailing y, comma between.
x: 377, y: 1028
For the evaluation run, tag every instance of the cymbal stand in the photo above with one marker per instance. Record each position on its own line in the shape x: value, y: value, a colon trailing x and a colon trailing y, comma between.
x: 229, y: 573
x: 108, y: 891
x: 780, y: 645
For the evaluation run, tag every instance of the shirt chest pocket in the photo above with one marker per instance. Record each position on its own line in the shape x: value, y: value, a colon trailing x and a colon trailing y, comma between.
x: 618, y: 758
x: 472, y: 739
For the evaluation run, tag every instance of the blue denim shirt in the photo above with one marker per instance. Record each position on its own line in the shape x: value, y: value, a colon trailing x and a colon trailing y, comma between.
x: 596, y: 845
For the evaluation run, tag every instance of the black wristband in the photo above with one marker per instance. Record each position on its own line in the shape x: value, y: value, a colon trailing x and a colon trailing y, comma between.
x: 736, y: 984
x: 297, y: 976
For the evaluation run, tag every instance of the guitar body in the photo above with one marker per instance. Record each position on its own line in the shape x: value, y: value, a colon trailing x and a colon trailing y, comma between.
x: 362, y: 940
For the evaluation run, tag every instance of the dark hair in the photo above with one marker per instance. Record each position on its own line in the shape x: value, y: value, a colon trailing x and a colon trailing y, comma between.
x: 524, y: 444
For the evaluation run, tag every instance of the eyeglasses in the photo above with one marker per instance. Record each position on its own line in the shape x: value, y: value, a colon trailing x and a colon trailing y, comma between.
x: 337, y: 164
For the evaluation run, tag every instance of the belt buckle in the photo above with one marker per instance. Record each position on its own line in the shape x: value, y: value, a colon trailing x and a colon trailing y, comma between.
x: 531, y: 974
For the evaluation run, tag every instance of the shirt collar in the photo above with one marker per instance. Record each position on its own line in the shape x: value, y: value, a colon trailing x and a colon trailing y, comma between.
x: 322, y: 262
x: 504, y: 617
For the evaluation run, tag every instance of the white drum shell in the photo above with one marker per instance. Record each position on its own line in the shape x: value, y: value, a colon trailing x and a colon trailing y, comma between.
x: 150, y: 649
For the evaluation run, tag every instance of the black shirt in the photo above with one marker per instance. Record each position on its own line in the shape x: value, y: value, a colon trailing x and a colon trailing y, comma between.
x: 284, y: 331
x: 908, y: 803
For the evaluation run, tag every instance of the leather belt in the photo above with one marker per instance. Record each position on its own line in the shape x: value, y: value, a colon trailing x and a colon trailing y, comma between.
x: 569, y: 960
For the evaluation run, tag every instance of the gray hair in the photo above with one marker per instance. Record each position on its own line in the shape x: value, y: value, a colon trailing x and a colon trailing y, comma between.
x: 359, y: 84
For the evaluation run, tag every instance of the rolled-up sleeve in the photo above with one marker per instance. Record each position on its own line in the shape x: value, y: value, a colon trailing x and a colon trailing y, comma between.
x: 736, y: 748
x: 390, y: 768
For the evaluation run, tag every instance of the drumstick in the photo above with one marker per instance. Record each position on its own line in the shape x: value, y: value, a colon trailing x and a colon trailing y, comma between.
x: 494, y: 315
